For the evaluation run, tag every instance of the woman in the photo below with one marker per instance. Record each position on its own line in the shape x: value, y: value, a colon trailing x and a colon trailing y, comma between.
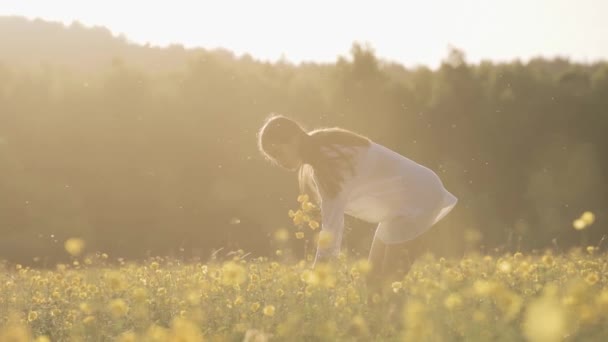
x: 345, y: 172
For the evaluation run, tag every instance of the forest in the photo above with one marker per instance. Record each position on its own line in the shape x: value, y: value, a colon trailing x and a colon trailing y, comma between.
x: 142, y: 150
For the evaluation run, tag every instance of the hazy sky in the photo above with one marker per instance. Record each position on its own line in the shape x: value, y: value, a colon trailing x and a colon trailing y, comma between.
x: 411, y: 32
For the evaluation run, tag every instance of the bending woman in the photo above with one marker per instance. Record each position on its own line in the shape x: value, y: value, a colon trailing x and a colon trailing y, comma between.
x: 347, y: 173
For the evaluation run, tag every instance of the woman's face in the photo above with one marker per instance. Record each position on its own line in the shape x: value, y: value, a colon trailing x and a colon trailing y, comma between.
x: 286, y: 154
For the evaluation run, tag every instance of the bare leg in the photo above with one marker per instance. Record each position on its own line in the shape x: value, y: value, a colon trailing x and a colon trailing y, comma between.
x: 391, y: 262
x: 377, y: 256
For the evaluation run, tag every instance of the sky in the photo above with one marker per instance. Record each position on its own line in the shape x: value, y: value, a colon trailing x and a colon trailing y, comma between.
x: 408, y: 32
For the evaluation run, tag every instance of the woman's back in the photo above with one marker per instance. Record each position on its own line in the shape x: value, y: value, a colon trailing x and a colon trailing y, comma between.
x: 387, y: 184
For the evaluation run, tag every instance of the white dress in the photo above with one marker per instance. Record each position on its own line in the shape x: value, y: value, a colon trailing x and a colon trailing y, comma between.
x: 402, y: 196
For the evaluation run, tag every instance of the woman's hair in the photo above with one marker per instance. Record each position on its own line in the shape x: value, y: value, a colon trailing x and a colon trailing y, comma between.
x: 314, y: 146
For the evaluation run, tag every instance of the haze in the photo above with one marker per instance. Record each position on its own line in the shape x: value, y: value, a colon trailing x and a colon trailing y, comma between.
x: 410, y: 32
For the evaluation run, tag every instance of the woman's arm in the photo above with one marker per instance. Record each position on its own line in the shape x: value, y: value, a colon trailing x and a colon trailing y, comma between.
x: 332, y: 224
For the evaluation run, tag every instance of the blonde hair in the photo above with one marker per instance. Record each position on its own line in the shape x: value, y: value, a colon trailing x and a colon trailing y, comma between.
x: 314, y: 147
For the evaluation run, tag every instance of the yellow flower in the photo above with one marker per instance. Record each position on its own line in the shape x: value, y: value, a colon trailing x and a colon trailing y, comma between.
x: 233, y: 273
x: 269, y: 310
x: 504, y: 266
x: 118, y: 307
x: 298, y: 220
x: 452, y: 301
x: 588, y: 217
x: 544, y: 320
x: 313, y: 224
x: 592, y: 278
x: 291, y: 213
x: 397, y: 285
x: 325, y: 275
x: 254, y: 307
x: 307, y: 206
x: 299, y: 235
x: 579, y: 224
x: 32, y: 316
x: 281, y: 235
x: 363, y: 266
x: 303, y: 198
x: 254, y: 278
x: 74, y: 246
x: 548, y: 260
x: 518, y: 256
x: 309, y: 277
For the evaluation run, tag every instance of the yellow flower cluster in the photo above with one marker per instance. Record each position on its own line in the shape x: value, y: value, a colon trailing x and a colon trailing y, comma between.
x: 74, y: 246
x: 586, y: 219
x: 516, y: 296
x: 307, y: 213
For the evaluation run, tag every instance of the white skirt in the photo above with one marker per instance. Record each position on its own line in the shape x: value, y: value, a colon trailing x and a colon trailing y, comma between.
x: 414, y: 221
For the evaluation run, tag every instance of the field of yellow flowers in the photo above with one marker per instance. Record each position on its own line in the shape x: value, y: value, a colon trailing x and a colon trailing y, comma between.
x: 480, y: 298
x: 508, y: 297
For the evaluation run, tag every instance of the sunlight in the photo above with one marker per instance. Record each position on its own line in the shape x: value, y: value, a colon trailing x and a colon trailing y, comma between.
x: 435, y: 171
x: 411, y: 32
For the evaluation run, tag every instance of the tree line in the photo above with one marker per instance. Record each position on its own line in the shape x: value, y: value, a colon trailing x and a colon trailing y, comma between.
x: 142, y: 150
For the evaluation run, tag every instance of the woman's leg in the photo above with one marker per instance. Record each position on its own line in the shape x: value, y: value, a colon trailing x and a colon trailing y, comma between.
x: 399, y: 257
x: 391, y: 262
x: 376, y: 259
